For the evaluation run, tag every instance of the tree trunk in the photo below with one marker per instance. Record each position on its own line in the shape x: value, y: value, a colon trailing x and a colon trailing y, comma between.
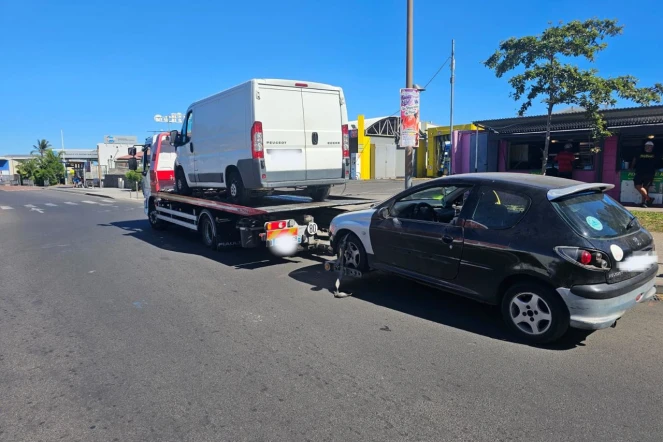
x: 544, y: 160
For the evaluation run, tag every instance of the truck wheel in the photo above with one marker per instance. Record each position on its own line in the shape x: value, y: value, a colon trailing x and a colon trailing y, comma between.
x: 181, y: 186
x: 155, y: 222
x: 207, y: 230
x: 236, y: 193
x: 355, y: 254
x: 535, y: 313
x: 319, y: 193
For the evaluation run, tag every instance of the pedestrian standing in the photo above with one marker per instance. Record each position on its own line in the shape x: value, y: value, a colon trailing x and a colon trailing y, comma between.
x: 645, y: 164
x: 565, y: 161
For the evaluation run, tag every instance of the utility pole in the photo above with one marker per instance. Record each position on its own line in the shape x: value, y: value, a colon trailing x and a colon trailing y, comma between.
x: 451, y: 112
x: 98, y: 168
x: 64, y: 161
x: 409, y: 81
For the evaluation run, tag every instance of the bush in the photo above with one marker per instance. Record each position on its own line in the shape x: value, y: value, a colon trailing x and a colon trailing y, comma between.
x: 48, y: 166
x: 134, y: 177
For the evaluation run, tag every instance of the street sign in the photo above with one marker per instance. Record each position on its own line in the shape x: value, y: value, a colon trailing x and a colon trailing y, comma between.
x: 120, y: 139
x: 409, y: 129
x: 172, y: 118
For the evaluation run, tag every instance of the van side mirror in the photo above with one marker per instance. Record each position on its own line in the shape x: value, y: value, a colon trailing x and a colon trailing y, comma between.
x: 383, y: 212
x: 174, y: 138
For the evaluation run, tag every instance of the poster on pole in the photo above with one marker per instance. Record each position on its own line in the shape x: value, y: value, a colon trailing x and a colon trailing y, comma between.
x: 409, y: 117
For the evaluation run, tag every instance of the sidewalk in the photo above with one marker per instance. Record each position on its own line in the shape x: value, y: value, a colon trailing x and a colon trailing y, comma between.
x: 105, y: 192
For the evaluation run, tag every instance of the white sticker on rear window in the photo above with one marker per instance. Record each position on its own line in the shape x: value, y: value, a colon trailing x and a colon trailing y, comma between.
x: 594, y: 223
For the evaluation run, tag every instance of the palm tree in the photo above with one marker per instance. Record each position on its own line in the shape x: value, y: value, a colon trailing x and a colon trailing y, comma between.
x: 41, y: 147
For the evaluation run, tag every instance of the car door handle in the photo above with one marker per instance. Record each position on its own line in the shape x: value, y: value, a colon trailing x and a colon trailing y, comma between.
x: 447, y: 239
x: 191, y: 147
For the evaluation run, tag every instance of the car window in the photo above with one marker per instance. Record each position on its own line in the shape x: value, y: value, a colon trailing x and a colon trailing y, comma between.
x: 594, y: 215
x: 498, y: 209
x: 434, y: 204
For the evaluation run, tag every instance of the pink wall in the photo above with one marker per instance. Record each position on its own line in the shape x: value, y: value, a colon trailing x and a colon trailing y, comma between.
x: 461, y: 153
x: 502, y: 156
x: 610, y: 172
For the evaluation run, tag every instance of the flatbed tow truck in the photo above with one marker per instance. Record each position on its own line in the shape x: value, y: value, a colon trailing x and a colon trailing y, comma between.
x: 284, y: 223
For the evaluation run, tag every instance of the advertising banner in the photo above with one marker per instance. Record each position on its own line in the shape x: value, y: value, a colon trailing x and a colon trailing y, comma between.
x: 409, y: 118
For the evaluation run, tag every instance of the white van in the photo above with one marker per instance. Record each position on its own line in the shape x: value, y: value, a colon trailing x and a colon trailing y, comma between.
x: 263, y: 135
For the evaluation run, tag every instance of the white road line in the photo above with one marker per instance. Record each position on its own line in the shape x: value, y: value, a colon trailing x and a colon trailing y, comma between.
x: 6, y: 208
x: 34, y: 209
x: 105, y: 205
x: 89, y: 202
x: 71, y: 204
x: 50, y: 204
x: 30, y: 206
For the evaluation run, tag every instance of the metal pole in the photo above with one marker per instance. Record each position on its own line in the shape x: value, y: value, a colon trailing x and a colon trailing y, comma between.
x: 64, y: 162
x: 409, y: 74
x: 476, y: 150
x: 451, y: 112
x: 98, y: 168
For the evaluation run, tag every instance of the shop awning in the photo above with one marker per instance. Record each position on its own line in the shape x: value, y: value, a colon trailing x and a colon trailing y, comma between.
x: 572, y: 121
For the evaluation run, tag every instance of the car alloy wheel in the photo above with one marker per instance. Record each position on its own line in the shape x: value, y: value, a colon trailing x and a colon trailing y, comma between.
x: 233, y: 190
x: 530, y: 313
x: 352, y: 255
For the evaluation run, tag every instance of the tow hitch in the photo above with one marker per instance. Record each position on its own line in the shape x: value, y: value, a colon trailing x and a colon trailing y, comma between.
x: 338, y: 265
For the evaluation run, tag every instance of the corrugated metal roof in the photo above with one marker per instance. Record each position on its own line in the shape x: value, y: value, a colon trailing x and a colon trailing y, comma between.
x: 632, y: 116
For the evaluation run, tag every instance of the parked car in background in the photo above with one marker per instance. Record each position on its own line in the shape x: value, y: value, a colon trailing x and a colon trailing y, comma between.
x: 263, y: 135
x: 553, y: 253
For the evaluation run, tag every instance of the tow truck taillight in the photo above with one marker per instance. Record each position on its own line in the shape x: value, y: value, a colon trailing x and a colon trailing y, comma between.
x: 257, y: 148
x: 586, y: 258
x: 277, y: 225
x: 346, y: 141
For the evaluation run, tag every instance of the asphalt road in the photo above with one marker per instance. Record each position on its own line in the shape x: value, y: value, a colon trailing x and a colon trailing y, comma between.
x: 112, y: 332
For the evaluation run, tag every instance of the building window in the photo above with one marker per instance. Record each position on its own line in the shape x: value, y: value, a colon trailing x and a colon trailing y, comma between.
x: 524, y: 156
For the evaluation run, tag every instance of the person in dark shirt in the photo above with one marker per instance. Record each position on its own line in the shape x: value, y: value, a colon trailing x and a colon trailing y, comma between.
x: 645, y: 165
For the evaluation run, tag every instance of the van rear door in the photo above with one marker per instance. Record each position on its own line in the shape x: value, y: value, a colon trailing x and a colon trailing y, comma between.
x: 322, y: 122
x: 282, y: 116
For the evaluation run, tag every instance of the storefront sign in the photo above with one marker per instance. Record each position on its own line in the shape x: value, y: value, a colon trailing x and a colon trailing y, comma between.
x: 409, y: 118
x: 120, y: 139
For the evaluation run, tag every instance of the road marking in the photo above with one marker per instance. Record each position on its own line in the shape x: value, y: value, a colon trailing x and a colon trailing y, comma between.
x: 89, y: 202
x: 6, y: 208
x: 71, y: 204
x: 105, y: 205
x: 34, y: 209
x: 50, y: 204
x: 30, y: 206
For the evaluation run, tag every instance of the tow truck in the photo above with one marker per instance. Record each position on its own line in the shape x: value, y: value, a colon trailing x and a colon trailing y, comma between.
x: 285, y: 223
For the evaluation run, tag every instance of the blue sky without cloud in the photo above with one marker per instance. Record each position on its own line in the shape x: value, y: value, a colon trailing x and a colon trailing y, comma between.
x: 95, y: 68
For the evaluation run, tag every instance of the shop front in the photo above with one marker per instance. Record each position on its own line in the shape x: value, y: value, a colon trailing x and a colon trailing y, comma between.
x: 522, y: 140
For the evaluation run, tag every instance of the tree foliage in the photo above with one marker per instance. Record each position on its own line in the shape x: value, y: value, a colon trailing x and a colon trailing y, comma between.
x: 41, y: 147
x: 47, y: 166
x: 548, y: 72
x: 133, y: 177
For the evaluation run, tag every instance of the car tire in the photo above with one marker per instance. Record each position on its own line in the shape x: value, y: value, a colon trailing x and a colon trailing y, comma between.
x: 355, y: 253
x: 236, y: 193
x: 155, y: 222
x: 319, y: 193
x: 207, y: 230
x: 535, y: 313
x: 181, y: 186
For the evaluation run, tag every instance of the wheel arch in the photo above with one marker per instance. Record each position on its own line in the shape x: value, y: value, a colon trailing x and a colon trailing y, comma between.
x: 356, y: 230
x: 230, y: 168
x: 517, y: 278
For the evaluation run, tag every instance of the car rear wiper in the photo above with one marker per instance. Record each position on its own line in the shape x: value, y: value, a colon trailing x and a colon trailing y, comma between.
x: 631, y: 223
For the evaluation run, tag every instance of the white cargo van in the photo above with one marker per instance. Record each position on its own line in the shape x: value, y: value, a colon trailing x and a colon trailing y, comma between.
x: 263, y: 135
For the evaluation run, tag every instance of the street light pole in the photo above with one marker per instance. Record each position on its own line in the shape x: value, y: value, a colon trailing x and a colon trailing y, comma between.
x: 409, y: 74
x: 451, y: 111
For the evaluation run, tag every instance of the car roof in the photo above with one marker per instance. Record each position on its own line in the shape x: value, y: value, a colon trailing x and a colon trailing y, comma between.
x: 526, y: 180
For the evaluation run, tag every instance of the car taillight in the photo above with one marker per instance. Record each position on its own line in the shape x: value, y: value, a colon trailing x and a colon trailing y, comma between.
x: 277, y: 225
x: 586, y: 258
x: 346, y: 141
x: 257, y: 150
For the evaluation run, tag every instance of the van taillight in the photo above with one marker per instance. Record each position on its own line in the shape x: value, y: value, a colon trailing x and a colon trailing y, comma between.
x: 257, y: 150
x: 346, y: 141
x: 589, y: 259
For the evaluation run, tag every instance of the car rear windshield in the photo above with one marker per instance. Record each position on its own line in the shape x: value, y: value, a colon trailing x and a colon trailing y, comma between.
x: 594, y: 215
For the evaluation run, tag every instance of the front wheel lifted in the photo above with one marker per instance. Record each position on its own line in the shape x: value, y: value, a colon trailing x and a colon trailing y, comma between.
x: 535, y: 313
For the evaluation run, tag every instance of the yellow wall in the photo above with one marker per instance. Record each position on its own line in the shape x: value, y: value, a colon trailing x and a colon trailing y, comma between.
x: 430, y: 167
x: 365, y: 150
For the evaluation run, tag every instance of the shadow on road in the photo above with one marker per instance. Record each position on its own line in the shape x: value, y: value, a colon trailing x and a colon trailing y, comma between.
x: 414, y: 299
x: 377, y: 288
x: 182, y: 240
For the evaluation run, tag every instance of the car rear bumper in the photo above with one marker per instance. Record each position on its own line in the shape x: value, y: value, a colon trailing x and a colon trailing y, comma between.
x: 595, y: 314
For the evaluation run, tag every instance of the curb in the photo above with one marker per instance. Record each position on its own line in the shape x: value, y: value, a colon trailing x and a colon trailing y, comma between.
x: 85, y: 193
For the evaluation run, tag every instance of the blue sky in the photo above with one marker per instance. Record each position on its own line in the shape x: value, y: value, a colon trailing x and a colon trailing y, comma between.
x: 95, y: 68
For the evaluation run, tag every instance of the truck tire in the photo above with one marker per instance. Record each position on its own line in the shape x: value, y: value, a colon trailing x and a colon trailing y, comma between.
x: 181, y: 186
x: 207, y: 230
x: 319, y: 193
x: 236, y: 193
x: 155, y: 222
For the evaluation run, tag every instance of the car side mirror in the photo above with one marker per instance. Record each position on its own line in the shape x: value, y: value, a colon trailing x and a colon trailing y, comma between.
x: 383, y: 212
x: 174, y: 138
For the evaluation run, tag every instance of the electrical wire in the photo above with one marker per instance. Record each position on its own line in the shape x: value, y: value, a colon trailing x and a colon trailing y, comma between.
x: 429, y: 81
